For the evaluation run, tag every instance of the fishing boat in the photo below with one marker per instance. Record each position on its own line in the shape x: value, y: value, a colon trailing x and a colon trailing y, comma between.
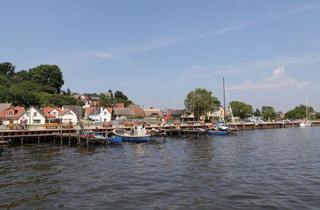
x: 94, y: 137
x: 221, y: 129
x: 138, y: 134
x: 115, y: 140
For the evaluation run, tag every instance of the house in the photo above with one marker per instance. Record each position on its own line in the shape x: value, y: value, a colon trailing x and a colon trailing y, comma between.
x: 153, y: 113
x: 179, y: 116
x: 98, y: 114
x: 68, y: 116
x: 122, y: 113
x: 133, y: 111
x: 11, y: 115
x: 52, y: 114
x: 33, y: 116
x: 215, y: 115
x: 89, y: 100
x: 64, y: 115
x: 137, y: 111
x: 4, y: 106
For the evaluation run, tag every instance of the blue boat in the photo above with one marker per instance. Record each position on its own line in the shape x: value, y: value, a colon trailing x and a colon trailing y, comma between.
x: 218, y: 133
x: 115, y: 140
x: 138, y: 134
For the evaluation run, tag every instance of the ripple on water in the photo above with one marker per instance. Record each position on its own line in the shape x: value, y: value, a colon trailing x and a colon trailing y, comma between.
x: 269, y: 169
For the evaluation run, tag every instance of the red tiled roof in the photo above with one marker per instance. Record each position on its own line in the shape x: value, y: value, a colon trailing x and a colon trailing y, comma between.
x: 47, y: 111
x: 12, y: 113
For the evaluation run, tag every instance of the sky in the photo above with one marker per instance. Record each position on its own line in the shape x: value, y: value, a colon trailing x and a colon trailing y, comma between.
x: 158, y: 51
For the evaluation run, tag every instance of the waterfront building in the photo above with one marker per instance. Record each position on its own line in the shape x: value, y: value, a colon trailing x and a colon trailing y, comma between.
x: 98, y: 114
x: 33, y: 116
x: 11, y: 115
x: 65, y: 115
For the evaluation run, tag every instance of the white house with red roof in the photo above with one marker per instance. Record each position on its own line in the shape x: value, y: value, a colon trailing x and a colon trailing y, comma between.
x: 98, y: 114
x: 33, y: 116
x: 60, y: 115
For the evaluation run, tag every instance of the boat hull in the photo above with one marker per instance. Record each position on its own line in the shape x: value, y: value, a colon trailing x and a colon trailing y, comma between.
x: 115, y: 140
x: 134, y: 139
x: 218, y: 133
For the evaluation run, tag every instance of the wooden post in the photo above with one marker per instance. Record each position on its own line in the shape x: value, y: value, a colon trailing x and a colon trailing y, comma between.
x: 69, y: 139
x: 22, y: 141
x: 38, y: 139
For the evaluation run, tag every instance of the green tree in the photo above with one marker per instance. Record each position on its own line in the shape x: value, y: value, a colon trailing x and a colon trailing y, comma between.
x: 7, y: 69
x: 200, y: 101
x: 49, y: 76
x: 105, y: 100
x: 119, y: 97
x: 268, y: 113
x: 241, y: 109
x: 22, y: 97
x: 257, y: 113
x: 299, y: 112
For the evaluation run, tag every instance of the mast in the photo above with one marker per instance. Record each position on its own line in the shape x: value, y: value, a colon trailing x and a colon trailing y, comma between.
x: 224, y: 98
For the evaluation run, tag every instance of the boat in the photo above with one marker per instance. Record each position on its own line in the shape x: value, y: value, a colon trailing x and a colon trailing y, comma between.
x: 115, y: 140
x: 221, y: 129
x: 306, y: 122
x: 94, y: 137
x: 138, y: 134
x: 218, y: 133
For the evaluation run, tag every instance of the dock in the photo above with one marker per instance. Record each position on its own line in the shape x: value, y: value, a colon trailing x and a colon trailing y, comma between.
x: 71, y: 136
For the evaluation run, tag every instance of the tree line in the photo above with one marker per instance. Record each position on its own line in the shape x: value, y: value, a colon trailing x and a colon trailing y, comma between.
x: 38, y: 86
x: 201, y: 101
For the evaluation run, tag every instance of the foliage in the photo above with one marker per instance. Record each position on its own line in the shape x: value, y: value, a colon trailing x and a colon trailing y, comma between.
x: 298, y: 112
x: 7, y: 69
x: 257, y: 113
x: 269, y: 113
x: 49, y: 76
x: 241, y: 109
x: 109, y: 98
x: 37, y: 86
x: 200, y: 101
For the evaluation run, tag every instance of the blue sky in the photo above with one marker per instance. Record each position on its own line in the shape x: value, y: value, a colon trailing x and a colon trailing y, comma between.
x: 157, y: 51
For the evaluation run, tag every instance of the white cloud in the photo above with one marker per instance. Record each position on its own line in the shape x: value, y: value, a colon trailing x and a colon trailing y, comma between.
x: 99, y: 55
x: 250, y: 66
x: 279, y: 78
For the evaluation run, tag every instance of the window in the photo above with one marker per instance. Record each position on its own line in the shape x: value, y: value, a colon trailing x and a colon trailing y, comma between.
x: 28, y: 114
x: 35, y: 114
x: 10, y: 113
x: 36, y: 121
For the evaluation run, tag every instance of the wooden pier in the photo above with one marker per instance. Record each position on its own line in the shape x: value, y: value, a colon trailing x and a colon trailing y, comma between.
x: 72, y: 135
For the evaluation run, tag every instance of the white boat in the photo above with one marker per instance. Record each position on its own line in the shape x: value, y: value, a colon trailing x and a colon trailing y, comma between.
x: 306, y: 122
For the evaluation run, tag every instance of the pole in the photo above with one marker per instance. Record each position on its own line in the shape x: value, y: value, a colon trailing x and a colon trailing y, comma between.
x: 224, y: 98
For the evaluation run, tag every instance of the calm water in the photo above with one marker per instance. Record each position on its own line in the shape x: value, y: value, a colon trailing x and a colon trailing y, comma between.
x: 270, y: 169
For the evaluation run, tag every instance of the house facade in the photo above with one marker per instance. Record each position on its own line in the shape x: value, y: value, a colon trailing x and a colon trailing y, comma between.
x: 33, y: 116
x: 98, y: 114
x: 60, y: 115
x: 68, y: 117
x: 11, y: 115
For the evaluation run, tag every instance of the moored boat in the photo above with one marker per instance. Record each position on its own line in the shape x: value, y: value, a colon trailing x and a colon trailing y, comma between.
x: 94, y: 137
x: 218, y: 133
x: 138, y: 134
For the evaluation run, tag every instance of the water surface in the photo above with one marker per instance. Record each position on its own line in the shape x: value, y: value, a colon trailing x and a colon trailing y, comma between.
x: 263, y: 169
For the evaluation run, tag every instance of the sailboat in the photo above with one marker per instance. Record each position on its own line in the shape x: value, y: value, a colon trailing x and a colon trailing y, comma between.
x: 221, y: 129
x: 306, y: 122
